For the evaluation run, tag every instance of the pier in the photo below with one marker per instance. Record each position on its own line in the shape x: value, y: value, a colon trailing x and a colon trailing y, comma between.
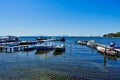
x: 102, y: 47
x: 10, y: 49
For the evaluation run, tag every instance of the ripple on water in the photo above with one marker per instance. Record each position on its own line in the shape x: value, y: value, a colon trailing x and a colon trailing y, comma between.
x: 76, y: 63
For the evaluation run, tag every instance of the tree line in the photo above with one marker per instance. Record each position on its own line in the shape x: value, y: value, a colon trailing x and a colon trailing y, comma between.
x: 117, y: 34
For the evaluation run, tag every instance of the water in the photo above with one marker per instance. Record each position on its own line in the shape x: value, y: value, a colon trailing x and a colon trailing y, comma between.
x: 76, y: 63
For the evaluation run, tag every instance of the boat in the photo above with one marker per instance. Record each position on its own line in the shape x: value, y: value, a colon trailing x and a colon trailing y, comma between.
x: 41, y: 39
x: 62, y: 39
x: 12, y: 39
x: 27, y: 42
x: 90, y: 43
x: 60, y: 47
x: 108, y: 51
x: 44, y: 47
x: 51, y: 39
x: 82, y: 42
x: 6, y: 39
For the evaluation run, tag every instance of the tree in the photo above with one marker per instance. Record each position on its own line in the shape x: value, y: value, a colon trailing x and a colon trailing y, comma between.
x: 112, y: 35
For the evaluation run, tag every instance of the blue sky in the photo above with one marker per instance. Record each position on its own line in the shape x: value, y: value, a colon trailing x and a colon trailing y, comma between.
x: 59, y: 17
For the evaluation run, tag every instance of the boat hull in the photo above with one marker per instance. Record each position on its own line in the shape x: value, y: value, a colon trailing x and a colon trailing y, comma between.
x: 107, y: 51
x: 45, y: 47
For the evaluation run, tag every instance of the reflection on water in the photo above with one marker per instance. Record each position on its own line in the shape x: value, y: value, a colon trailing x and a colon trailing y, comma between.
x: 55, y: 53
x: 105, y: 62
x: 108, y: 56
x: 38, y: 52
x: 43, y: 54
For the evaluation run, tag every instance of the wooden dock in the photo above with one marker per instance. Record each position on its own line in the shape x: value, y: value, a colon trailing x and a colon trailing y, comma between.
x: 12, y: 48
x: 118, y: 51
x: 94, y: 45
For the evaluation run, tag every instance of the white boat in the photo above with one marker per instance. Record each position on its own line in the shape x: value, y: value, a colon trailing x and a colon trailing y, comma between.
x: 6, y: 39
x: 47, y: 45
x: 90, y: 43
x: 108, y: 51
x: 60, y: 47
x: 82, y: 42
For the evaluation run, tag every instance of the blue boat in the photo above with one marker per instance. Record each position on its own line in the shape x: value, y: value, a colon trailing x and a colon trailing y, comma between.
x: 44, y: 47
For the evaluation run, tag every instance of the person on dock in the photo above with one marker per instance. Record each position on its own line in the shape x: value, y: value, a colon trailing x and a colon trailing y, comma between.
x: 112, y: 44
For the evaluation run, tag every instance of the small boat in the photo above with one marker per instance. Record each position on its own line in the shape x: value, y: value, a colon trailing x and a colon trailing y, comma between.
x: 12, y: 39
x: 51, y: 39
x: 5, y: 39
x: 82, y: 42
x: 41, y: 39
x: 90, y: 43
x: 108, y: 51
x: 60, y: 48
x: 60, y: 39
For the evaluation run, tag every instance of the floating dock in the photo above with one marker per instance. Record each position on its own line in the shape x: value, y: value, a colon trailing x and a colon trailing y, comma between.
x: 11, y: 49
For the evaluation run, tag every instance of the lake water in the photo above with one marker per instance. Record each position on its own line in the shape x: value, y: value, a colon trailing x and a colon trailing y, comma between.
x: 76, y: 63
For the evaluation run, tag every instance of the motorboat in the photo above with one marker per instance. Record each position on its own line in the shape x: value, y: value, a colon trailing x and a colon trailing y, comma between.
x: 105, y: 50
x: 60, y: 47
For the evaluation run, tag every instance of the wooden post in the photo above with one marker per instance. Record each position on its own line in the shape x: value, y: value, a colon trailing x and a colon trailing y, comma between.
x: 27, y: 44
x: 105, y: 61
x: 10, y: 50
x: 20, y: 48
x: 70, y: 49
x: 6, y: 49
x: 16, y: 48
x: 1, y: 49
x: 105, y: 49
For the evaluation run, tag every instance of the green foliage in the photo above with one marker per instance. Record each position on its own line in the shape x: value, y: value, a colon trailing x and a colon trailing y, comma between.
x: 112, y: 35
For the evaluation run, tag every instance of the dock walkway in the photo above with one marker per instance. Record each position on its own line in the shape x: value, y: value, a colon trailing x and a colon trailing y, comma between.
x: 12, y: 48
